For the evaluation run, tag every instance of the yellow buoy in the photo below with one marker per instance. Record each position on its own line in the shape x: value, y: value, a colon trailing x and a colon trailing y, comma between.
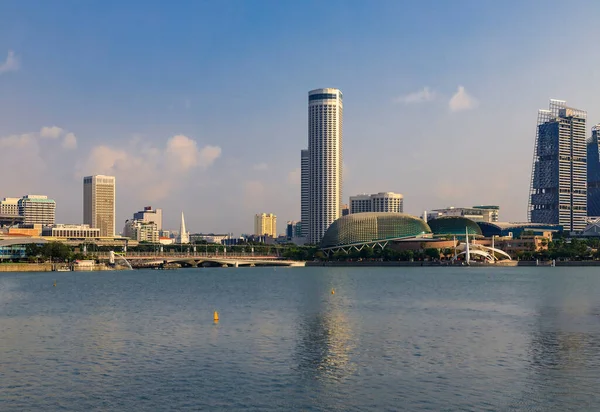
x: 54, y: 284
x: 332, y: 291
x: 216, y: 316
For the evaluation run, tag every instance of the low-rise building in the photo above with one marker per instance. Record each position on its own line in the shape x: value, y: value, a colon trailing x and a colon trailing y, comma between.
x: 528, y: 242
x: 25, y: 230
x: 209, y: 237
x: 141, y: 231
x: 71, y: 231
x: 475, y: 213
x: 9, y: 206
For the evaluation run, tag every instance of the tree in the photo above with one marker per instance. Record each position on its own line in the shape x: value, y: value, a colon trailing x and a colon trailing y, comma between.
x: 432, y: 253
x: 32, y: 250
x: 366, y: 252
x: 56, y: 251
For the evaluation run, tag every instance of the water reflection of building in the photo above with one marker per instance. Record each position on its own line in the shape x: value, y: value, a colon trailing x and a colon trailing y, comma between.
x: 326, y: 341
x: 563, y: 351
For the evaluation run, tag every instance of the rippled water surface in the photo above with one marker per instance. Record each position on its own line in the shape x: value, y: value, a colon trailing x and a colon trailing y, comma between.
x: 388, y: 339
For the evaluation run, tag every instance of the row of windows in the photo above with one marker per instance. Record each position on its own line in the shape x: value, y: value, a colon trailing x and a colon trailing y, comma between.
x: 323, y: 96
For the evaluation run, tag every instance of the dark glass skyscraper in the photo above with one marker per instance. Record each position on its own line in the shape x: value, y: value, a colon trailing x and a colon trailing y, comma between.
x: 593, y: 173
x: 558, y: 192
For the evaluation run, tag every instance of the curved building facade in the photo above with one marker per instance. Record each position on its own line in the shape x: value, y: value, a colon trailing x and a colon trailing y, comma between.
x: 453, y: 226
x: 372, y: 227
x: 325, y: 120
x: 515, y: 230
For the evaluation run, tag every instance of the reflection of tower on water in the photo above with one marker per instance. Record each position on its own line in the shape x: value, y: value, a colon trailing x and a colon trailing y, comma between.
x: 326, y: 342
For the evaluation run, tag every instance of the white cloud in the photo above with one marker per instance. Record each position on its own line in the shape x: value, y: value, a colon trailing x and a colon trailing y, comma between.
x: 260, y: 166
x: 30, y: 140
x: 461, y: 100
x: 51, y: 132
x: 208, y: 155
x: 11, y: 64
x: 17, y: 141
x: 182, y: 152
x: 69, y: 141
x: 148, y: 172
x: 294, y: 177
x: 420, y: 96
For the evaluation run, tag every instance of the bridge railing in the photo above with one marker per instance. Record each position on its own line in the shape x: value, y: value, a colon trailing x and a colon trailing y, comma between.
x: 191, y: 255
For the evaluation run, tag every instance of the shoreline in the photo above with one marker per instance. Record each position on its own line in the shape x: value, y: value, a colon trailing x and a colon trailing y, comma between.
x: 512, y: 263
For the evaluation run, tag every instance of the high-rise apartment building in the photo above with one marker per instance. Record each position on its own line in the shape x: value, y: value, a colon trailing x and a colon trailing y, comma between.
x: 325, y: 124
x: 304, y: 191
x: 9, y: 206
x: 149, y: 215
x: 265, y: 224
x: 558, y: 193
x: 37, y: 210
x: 386, y: 202
x: 99, y: 203
x: 593, y: 173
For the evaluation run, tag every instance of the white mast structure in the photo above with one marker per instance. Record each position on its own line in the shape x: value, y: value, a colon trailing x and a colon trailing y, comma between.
x: 467, y: 251
x: 184, y: 236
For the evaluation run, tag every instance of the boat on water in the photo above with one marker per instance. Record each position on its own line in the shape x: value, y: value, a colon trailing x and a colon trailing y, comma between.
x: 62, y: 269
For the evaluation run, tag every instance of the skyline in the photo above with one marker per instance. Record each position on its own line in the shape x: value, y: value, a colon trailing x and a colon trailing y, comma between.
x: 206, y: 115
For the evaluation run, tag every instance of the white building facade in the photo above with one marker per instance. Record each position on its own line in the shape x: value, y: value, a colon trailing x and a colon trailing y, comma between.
x: 9, y: 206
x: 150, y: 215
x: 99, y: 197
x: 385, y: 202
x: 304, y: 191
x: 142, y: 231
x: 488, y: 214
x: 37, y: 209
x: 325, y: 136
x: 71, y: 232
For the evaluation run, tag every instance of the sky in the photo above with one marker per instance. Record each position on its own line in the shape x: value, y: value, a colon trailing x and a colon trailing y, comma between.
x: 201, y: 106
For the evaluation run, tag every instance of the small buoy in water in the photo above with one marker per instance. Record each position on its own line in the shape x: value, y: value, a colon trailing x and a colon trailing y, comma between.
x: 54, y: 284
x: 216, y: 316
x: 332, y: 291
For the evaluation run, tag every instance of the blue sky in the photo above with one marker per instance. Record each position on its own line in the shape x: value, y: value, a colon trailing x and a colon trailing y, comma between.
x: 201, y: 106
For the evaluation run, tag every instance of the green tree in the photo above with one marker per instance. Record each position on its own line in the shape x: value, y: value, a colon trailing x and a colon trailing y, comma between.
x: 432, y: 253
x: 32, y: 250
x: 366, y: 252
x: 56, y: 251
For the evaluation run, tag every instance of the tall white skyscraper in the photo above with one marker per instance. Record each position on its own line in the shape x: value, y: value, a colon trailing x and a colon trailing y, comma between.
x: 304, y: 191
x: 325, y: 120
x: 99, y: 203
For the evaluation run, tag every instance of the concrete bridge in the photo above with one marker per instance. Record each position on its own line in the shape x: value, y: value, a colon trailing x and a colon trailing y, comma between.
x: 149, y: 261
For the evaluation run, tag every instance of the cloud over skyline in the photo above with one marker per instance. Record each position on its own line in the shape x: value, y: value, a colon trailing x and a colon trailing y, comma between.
x: 461, y: 100
x: 148, y: 171
x: 420, y: 96
x: 11, y: 64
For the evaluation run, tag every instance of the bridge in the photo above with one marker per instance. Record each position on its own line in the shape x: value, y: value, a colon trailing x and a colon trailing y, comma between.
x: 147, y: 260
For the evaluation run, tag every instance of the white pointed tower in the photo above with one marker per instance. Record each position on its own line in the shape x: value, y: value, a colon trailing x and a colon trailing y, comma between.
x: 184, y: 236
